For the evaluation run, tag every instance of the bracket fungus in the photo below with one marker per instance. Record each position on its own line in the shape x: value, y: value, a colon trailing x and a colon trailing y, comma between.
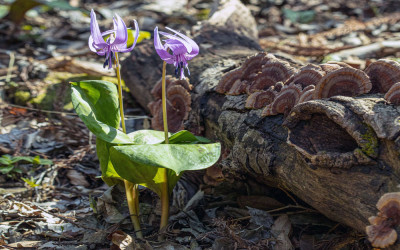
x: 169, y: 81
x: 178, y: 105
x: 393, y: 94
x: 344, y: 81
x: 253, y: 65
x: 228, y: 80
x: 382, y: 231
x: 308, y: 75
x: 328, y: 134
x: 328, y: 67
x: 383, y: 74
x: 260, y: 99
x: 284, y: 100
x: 307, y: 94
x: 272, y: 72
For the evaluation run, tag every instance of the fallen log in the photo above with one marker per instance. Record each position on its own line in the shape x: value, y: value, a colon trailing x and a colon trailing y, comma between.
x: 339, y: 155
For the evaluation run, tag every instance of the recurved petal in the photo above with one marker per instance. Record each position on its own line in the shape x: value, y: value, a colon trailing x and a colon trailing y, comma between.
x: 195, y: 48
x: 121, y: 33
x: 160, y: 49
x: 96, y: 39
x: 134, y: 42
x: 174, y: 37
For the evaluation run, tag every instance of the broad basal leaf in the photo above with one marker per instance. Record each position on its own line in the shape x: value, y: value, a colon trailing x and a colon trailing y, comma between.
x: 141, y: 164
x: 108, y: 174
x: 146, y: 136
x: 96, y: 103
x: 184, y: 136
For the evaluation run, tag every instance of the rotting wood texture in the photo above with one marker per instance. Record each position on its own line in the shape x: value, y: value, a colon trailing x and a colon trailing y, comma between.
x: 339, y: 155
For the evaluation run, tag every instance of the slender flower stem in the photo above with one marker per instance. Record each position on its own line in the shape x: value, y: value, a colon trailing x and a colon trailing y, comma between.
x: 121, y: 107
x: 164, y: 184
x: 131, y: 189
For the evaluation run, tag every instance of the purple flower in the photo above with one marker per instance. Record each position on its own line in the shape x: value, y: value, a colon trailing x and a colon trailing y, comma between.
x: 183, y: 49
x: 116, y: 42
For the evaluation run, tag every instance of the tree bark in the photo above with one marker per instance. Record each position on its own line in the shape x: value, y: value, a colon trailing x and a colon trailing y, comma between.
x: 338, y: 155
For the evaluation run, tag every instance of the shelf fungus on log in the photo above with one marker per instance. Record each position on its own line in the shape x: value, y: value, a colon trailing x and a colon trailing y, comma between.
x: 328, y: 67
x: 284, y: 100
x: 307, y: 75
x: 328, y: 134
x: 307, y: 94
x: 345, y: 81
x: 382, y: 231
x: 253, y: 65
x: 272, y: 72
x: 383, y: 74
x: 260, y: 99
x: 393, y: 94
x: 228, y: 80
x: 178, y: 105
x: 169, y: 81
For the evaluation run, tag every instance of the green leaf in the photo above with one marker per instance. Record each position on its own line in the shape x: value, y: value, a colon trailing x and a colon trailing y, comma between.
x: 108, y: 174
x: 185, y: 136
x: 45, y: 162
x: 21, y: 158
x: 36, y: 160
x: 31, y: 182
x: 145, y: 136
x: 96, y: 103
x: 5, y: 160
x: 141, y: 164
x: 6, y: 169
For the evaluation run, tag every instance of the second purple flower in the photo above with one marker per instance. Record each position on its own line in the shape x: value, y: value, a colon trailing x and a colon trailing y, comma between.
x: 183, y: 49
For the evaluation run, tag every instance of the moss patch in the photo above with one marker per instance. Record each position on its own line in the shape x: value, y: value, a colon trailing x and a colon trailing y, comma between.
x: 370, y: 143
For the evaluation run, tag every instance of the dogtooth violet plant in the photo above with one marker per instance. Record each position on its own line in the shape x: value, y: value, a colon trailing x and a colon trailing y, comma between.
x: 150, y: 158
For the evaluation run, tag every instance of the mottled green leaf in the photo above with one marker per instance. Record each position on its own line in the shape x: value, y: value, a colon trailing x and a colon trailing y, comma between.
x: 141, y: 164
x: 96, y: 103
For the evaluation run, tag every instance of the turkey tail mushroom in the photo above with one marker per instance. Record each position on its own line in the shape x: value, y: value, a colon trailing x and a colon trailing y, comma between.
x: 253, y: 65
x: 382, y: 231
x: 169, y: 81
x: 260, y: 99
x: 383, y: 74
x: 393, y: 94
x: 328, y: 134
x: 284, y: 101
x: 308, y: 75
x: 178, y: 108
x: 344, y: 81
x: 307, y: 94
x: 228, y: 80
x: 272, y: 72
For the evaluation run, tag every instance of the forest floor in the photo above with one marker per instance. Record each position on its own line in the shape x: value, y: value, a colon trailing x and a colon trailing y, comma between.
x: 51, y: 195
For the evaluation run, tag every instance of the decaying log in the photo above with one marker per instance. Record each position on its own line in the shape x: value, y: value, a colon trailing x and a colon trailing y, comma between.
x: 339, y: 155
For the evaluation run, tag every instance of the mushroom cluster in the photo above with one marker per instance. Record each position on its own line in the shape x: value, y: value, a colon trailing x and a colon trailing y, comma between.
x: 178, y: 104
x: 382, y: 231
x: 259, y: 77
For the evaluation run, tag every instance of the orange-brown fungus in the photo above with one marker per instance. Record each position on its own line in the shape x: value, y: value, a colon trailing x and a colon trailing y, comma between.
x: 383, y: 74
x: 169, y: 81
x: 178, y: 106
x: 345, y: 81
x: 253, y: 65
x: 307, y: 94
x: 284, y: 101
x: 393, y: 94
x: 382, y: 233
x: 228, y: 80
x: 260, y: 99
x: 307, y: 75
x: 272, y: 72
